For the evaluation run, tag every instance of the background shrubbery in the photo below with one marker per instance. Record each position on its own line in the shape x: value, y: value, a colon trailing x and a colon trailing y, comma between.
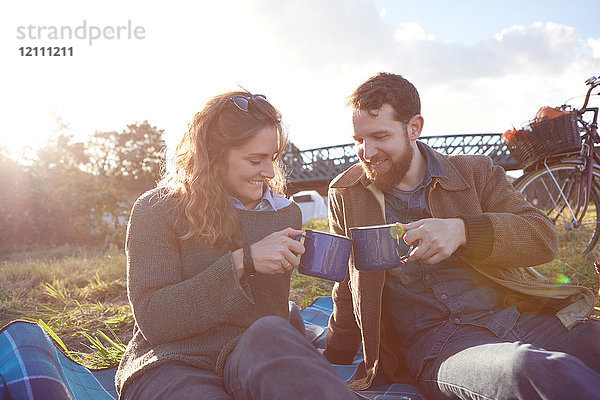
x: 77, y: 192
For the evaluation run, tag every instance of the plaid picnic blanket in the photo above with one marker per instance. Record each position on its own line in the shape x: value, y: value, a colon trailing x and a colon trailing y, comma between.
x: 32, y: 367
x: 316, y: 318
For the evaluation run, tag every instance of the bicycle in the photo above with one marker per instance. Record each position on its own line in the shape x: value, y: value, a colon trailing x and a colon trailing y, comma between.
x: 562, y: 179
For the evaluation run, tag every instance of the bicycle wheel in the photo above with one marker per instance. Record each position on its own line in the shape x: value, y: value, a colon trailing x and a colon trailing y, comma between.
x: 555, y: 191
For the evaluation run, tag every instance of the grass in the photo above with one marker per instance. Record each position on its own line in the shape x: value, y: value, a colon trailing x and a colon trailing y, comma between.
x: 80, y: 300
x: 570, y: 266
x: 80, y: 297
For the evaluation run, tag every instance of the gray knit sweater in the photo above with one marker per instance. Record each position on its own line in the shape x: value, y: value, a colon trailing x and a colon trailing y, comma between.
x: 187, y: 301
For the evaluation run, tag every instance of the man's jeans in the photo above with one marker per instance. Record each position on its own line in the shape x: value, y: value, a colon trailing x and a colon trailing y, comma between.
x: 537, y: 359
x: 271, y: 361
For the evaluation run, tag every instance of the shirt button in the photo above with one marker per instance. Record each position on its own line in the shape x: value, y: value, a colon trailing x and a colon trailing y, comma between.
x: 444, y: 297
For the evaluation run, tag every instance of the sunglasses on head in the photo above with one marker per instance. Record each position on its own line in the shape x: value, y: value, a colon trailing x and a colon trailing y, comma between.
x: 242, y: 101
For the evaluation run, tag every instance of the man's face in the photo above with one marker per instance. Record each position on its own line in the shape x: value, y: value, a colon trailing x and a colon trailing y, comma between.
x: 383, y: 146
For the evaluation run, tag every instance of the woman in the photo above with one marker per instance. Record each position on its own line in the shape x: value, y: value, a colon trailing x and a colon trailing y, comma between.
x: 209, y: 257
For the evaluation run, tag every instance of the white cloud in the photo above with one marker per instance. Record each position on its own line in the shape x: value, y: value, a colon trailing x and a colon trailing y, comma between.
x: 485, y: 87
x: 411, y: 32
x: 515, y: 28
x: 325, y: 36
x: 539, y: 48
x: 594, y: 44
x: 318, y: 34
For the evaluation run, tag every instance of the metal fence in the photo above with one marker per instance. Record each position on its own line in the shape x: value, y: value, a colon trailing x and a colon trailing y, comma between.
x: 324, y: 163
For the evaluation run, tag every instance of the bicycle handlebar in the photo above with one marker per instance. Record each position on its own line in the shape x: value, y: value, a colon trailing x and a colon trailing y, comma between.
x: 593, y: 82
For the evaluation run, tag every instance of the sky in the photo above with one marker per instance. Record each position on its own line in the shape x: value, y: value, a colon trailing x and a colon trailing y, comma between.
x: 480, y: 66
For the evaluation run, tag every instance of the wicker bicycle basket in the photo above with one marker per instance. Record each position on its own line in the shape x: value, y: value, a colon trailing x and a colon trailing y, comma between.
x: 543, y: 138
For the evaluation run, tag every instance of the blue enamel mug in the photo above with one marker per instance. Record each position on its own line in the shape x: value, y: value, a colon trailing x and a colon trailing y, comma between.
x: 325, y: 255
x: 379, y: 247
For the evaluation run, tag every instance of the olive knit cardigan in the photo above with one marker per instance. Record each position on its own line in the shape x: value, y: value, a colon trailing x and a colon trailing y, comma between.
x: 187, y: 301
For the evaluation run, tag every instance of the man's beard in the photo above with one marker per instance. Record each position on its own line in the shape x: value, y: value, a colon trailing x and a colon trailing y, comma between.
x: 387, y: 180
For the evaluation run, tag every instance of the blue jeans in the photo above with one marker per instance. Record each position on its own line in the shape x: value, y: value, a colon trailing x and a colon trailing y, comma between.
x: 537, y: 359
x: 271, y: 361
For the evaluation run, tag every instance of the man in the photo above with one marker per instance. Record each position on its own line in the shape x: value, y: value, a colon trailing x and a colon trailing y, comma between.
x: 458, y: 316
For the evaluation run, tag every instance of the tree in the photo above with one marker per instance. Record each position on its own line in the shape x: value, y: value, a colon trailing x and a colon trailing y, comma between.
x: 133, y: 156
x: 62, y: 153
x: 142, y: 153
x: 50, y: 198
x: 70, y: 192
x: 103, y: 154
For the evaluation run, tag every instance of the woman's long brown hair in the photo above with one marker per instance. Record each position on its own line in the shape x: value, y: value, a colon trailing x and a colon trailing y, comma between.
x: 200, y: 163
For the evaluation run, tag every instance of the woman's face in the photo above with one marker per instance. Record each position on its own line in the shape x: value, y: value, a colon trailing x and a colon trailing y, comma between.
x: 250, y: 165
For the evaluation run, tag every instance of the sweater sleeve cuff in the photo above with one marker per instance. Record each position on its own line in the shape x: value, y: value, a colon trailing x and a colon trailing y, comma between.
x: 480, y: 237
x: 242, y: 284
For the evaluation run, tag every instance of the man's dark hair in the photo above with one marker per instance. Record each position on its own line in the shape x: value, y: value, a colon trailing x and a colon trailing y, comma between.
x: 391, y: 89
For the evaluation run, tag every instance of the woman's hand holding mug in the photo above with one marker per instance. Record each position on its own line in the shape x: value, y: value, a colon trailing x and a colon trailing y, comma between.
x: 275, y: 253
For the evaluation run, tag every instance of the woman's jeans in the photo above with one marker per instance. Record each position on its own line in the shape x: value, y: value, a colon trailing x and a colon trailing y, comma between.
x: 271, y: 361
x: 537, y: 359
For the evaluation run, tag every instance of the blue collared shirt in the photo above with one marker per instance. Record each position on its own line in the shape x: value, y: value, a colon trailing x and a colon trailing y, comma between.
x: 428, y: 302
x: 408, y: 206
x: 270, y: 201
